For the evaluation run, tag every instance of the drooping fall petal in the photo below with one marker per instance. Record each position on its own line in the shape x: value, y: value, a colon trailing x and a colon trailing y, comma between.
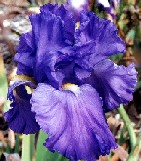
x: 74, y: 120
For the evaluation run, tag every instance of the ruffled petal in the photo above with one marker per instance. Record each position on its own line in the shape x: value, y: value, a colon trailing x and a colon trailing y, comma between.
x: 51, y: 45
x: 67, y: 18
x: 81, y: 74
x: 48, y: 31
x: 25, y: 56
x: 83, y: 54
x: 114, y: 83
x: 49, y: 8
x: 20, y: 117
x: 74, y: 120
x: 102, y: 32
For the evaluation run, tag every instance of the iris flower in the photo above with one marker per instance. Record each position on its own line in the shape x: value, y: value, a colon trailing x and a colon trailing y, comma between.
x: 73, y: 82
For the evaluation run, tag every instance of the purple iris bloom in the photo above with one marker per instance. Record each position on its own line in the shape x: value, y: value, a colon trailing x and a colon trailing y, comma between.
x: 74, y: 84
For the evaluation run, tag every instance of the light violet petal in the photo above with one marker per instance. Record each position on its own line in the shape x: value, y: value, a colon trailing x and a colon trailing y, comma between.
x: 74, y: 121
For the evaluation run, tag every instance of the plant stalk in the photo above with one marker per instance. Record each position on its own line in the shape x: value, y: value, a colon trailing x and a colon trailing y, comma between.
x: 27, y: 147
x: 131, y: 133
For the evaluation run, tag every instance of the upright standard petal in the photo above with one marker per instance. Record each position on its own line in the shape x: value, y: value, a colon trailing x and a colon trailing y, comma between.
x: 25, y: 56
x: 114, y: 83
x: 20, y: 117
x: 67, y: 18
x: 100, y: 31
x: 52, y: 47
x: 74, y: 120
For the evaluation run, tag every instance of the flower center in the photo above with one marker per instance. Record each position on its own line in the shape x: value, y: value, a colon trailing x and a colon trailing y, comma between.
x: 70, y: 87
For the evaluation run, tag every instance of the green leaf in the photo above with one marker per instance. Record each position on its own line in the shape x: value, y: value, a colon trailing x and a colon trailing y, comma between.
x: 131, y: 34
x: 122, y: 138
x: 121, y: 8
x: 43, y: 154
x: 116, y: 58
x: 27, y: 147
x: 131, y: 133
x: 127, y: 121
x: 3, y: 85
x: 17, y: 144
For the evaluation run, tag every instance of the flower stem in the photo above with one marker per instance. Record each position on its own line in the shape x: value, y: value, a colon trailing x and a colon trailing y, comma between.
x: 41, y: 151
x: 130, y: 129
x: 3, y: 86
x: 17, y: 144
x: 27, y: 147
